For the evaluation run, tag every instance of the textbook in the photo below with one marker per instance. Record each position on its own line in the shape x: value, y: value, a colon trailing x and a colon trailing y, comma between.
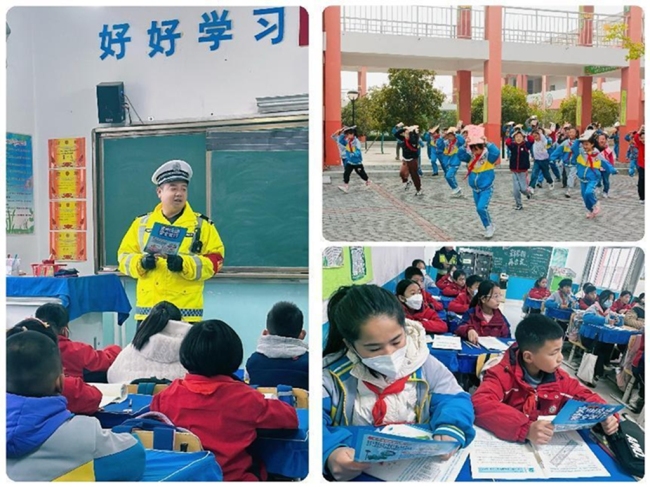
x: 399, y: 442
x: 430, y: 469
x: 165, y: 239
x: 577, y: 415
x: 566, y: 456
x: 446, y: 342
x: 492, y: 343
x: 110, y: 393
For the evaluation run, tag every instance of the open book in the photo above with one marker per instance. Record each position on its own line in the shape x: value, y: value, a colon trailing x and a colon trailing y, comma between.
x: 492, y: 343
x: 565, y: 456
x: 111, y: 393
x: 446, y: 342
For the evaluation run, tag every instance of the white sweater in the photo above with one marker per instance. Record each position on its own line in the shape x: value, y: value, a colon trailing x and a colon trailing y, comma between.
x: 158, y: 358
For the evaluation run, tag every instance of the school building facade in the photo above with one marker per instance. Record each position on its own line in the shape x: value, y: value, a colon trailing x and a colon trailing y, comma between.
x: 500, y: 44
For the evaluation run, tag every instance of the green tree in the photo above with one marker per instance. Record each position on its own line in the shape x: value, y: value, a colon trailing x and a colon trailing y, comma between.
x: 546, y: 115
x: 604, y: 109
x: 448, y: 118
x: 410, y: 98
x: 514, y: 106
x: 363, y: 113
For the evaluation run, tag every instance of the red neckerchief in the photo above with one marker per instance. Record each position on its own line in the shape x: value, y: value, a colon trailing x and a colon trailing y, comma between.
x: 452, y: 143
x: 470, y: 166
x: 349, y: 146
x: 408, y: 144
x: 591, y: 158
x: 380, y: 408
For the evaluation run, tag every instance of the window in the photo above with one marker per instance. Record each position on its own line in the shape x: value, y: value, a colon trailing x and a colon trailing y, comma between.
x: 551, y: 88
x: 610, y: 267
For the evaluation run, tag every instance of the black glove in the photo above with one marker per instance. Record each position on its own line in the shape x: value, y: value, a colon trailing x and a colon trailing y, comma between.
x: 148, y: 262
x: 175, y: 263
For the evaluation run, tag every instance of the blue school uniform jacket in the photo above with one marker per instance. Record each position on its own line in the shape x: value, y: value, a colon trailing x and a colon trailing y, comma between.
x: 442, y: 403
x: 449, y: 153
x: 46, y: 442
x: 587, y: 172
x: 481, y: 176
x: 563, y: 152
x: 353, y: 153
x: 432, y: 145
x: 632, y: 150
x: 264, y: 371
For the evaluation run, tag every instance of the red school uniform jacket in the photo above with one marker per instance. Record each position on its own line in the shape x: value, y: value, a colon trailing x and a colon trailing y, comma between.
x: 641, y: 148
x: 452, y: 289
x: 431, y: 302
x: 82, y: 398
x: 619, y: 307
x: 460, y: 305
x: 443, y: 281
x: 585, y: 303
x: 225, y: 414
x: 539, y: 293
x: 498, y: 326
x: 77, y: 356
x: 428, y: 317
x: 506, y: 405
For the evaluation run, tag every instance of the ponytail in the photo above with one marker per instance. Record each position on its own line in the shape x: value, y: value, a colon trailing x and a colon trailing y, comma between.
x: 157, y: 320
x: 484, y: 290
x: 350, y: 307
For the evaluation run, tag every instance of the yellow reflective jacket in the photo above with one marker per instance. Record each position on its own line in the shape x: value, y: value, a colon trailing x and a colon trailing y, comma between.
x: 184, y: 289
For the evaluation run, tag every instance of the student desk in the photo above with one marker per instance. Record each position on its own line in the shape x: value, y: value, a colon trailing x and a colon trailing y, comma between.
x: 618, y: 335
x: 118, y: 412
x: 81, y: 295
x: 463, y: 361
x: 617, y: 474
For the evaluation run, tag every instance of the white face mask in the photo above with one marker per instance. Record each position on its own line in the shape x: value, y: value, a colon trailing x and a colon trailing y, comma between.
x: 474, y: 291
x: 608, y: 303
x: 415, y: 302
x: 388, y: 365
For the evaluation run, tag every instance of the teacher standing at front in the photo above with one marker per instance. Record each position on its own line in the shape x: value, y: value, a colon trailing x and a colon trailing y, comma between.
x: 179, y: 278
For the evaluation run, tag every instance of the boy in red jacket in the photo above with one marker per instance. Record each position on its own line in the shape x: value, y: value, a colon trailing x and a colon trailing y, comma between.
x: 415, y: 274
x: 456, y: 286
x: 529, y: 382
x: 460, y: 305
x: 76, y: 356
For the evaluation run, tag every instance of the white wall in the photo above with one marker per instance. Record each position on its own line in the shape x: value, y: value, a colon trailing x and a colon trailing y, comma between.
x: 577, y: 260
x: 61, y: 47
x: 388, y: 262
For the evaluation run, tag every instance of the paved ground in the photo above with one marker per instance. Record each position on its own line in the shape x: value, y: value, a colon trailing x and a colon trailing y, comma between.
x: 385, y: 212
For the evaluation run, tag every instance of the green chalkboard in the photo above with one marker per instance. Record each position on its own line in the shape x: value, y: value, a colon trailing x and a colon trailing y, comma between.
x: 526, y: 262
x: 124, y: 177
x: 260, y: 204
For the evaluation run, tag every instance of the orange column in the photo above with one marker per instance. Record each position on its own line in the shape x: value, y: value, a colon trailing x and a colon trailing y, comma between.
x: 332, y: 82
x: 464, y: 96
x: 583, y: 109
x: 454, y: 89
x: 599, y: 83
x: 544, y: 86
x: 464, y: 23
x: 569, y: 85
x: 361, y: 81
x: 522, y: 82
x: 631, y: 113
x: 492, y: 74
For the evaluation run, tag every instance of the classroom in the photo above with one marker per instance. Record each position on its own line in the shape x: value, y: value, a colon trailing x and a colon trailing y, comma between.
x: 152, y: 267
x: 513, y: 363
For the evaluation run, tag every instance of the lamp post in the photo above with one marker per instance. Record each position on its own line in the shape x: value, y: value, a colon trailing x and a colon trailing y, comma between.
x: 353, y: 96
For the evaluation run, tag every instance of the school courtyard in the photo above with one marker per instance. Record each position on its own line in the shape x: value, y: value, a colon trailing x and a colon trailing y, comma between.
x: 386, y: 212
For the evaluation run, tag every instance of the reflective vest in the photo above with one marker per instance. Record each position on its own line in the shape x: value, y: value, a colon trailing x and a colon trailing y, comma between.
x: 443, y: 260
x: 183, y: 289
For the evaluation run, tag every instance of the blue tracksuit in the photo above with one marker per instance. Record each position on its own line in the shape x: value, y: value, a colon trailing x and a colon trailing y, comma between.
x: 432, y: 152
x: 616, y: 138
x: 588, y: 174
x: 632, y: 155
x: 353, y: 152
x: 481, y: 179
x: 449, y: 157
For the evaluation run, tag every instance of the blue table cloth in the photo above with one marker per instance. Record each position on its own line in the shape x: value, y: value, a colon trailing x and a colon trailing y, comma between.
x: 173, y: 466
x: 285, y: 452
x: 116, y: 413
x: 81, y: 295
x: 617, y: 474
x: 607, y: 334
x: 533, y: 303
x: 558, y: 314
x: 463, y: 361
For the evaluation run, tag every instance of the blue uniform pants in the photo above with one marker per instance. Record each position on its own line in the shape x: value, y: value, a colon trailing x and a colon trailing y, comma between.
x: 543, y: 168
x: 482, y: 201
x: 450, y: 176
x: 588, y: 192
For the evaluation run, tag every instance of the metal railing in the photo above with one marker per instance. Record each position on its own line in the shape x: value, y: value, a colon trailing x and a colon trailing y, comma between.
x: 538, y: 26
x: 416, y: 21
x: 520, y: 25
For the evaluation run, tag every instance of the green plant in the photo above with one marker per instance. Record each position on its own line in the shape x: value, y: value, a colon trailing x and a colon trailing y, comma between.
x: 618, y: 32
x: 604, y: 109
x: 514, y: 106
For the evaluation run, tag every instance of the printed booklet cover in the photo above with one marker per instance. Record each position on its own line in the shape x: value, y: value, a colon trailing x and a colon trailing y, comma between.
x: 165, y: 239
x: 577, y: 415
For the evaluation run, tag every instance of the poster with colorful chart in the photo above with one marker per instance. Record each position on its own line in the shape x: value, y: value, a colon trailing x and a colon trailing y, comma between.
x: 20, y: 184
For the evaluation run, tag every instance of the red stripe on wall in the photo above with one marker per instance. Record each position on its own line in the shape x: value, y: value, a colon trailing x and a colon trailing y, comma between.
x: 303, y: 32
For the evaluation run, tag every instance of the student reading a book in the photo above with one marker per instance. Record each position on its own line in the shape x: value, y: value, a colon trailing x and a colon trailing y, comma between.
x: 529, y: 382
x: 415, y: 274
x: 179, y: 277
x: 78, y: 358
x: 484, y: 318
x: 82, y: 398
x: 378, y: 371
x: 410, y: 296
x: 223, y: 411
x: 456, y: 286
x: 45, y: 441
x: 282, y: 355
x: 154, y: 350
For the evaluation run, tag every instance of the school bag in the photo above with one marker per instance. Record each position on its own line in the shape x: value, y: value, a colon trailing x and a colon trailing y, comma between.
x: 173, y: 454
x: 628, y: 445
